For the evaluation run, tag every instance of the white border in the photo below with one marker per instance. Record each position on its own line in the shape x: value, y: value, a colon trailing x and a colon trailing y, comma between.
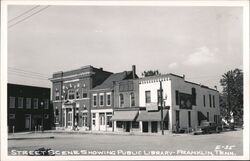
x: 242, y: 3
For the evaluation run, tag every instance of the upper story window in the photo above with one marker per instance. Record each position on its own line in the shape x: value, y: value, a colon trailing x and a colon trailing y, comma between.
x: 148, y: 96
x: 94, y: 100
x: 12, y: 102
x: 177, y: 101
x: 204, y: 100
x: 210, y: 101
x: 71, y: 94
x: 84, y: 95
x: 132, y: 99
x: 121, y: 100
x: 101, y: 99
x: 20, y: 102
x: 35, y: 103
x: 108, y: 99
x: 28, y: 103
x: 193, y: 96
x: 213, y: 101
x: 46, y: 104
x: 57, y: 94
x: 77, y: 95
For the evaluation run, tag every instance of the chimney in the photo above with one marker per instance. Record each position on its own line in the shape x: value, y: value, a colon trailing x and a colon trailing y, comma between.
x: 101, y: 69
x: 183, y: 76
x: 133, y: 71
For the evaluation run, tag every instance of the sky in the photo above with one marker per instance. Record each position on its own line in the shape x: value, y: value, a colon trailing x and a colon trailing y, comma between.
x: 200, y: 42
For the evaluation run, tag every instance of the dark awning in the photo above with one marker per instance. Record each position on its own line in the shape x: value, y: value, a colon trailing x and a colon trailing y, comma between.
x: 151, y: 116
x: 124, y: 115
x: 201, y: 116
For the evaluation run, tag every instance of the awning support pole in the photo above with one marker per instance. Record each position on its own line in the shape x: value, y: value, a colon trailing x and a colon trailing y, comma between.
x: 162, y: 129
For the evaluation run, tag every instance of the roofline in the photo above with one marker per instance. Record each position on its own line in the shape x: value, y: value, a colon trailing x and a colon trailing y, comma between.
x: 28, y: 86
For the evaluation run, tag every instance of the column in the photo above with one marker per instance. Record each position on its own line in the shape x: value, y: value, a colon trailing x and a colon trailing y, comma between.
x: 65, y: 117
x: 73, y: 116
x: 140, y: 126
x: 105, y: 120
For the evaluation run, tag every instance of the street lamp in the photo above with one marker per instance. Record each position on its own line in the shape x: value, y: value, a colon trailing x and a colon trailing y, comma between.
x: 42, y: 113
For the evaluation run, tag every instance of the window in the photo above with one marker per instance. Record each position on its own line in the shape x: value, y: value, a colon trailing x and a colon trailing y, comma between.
x: 84, y: 95
x: 108, y: 99
x: 12, y: 102
x: 148, y: 96
x: 119, y: 124
x: 101, y: 100
x: 135, y: 124
x: 28, y: 103
x: 12, y: 116
x: 71, y: 94
x: 77, y: 95
x: 46, y: 104
x: 109, y: 122
x: 215, y: 118
x: 204, y: 100
x: 46, y: 116
x: 177, y: 101
x: 35, y: 103
x: 193, y: 96
x: 159, y: 98
x: 213, y: 101
x: 57, y: 95
x: 210, y: 101
x: 132, y: 99
x: 94, y: 100
x: 121, y: 100
x: 20, y: 102
x: 93, y: 115
x: 165, y: 125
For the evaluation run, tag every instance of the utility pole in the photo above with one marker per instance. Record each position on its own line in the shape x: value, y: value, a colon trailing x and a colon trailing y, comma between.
x: 162, y: 129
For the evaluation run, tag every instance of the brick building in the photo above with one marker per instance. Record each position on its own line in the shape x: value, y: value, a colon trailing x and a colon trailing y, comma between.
x: 29, y: 108
x: 71, y: 95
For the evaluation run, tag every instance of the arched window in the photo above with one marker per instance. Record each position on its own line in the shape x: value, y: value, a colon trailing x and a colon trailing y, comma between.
x: 121, y: 100
x: 132, y: 99
x: 71, y: 94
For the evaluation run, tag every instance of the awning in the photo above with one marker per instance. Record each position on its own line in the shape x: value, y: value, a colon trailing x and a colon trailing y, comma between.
x: 124, y: 115
x: 151, y: 116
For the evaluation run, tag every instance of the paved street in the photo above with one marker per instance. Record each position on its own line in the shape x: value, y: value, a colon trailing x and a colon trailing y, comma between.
x: 90, y: 144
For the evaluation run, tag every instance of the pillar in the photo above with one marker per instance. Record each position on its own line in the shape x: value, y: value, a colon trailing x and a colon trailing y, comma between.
x: 105, y: 120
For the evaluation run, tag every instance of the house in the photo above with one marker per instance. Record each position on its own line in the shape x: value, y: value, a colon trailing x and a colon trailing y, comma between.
x: 105, y: 98
x: 29, y: 108
x: 71, y: 95
x: 185, y: 103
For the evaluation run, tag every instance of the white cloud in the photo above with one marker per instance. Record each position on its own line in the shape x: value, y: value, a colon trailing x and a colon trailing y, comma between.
x: 173, y: 65
x: 202, y: 56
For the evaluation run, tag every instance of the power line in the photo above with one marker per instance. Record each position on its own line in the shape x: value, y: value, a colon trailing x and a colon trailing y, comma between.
x: 28, y: 17
x: 24, y: 13
x: 26, y: 71
x: 28, y: 76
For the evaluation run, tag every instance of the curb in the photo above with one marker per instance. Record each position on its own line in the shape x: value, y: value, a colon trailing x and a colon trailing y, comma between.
x: 28, y: 138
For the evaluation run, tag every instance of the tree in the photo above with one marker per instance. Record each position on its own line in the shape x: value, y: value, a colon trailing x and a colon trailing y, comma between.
x: 231, y: 98
x: 150, y: 73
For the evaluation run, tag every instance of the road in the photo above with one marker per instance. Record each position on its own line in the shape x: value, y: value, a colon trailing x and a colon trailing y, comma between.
x: 225, y: 143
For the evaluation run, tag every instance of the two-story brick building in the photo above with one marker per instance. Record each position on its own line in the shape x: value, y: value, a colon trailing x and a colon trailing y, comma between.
x: 29, y: 108
x: 71, y: 95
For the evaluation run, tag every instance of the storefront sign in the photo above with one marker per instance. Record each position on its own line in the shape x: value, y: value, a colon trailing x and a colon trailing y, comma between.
x: 153, y: 106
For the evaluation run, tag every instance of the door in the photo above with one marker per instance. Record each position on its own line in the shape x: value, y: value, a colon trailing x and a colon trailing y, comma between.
x: 127, y: 126
x: 27, y: 121
x: 144, y: 126
x: 154, y: 127
x: 70, y: 119
x: 177, y: 117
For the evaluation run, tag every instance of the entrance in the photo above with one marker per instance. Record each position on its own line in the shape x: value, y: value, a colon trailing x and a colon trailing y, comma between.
x: 127, y: 126
x: 144, y: 126
x: 154, y: 127
x: 70, y: 119
x: 28, y: 122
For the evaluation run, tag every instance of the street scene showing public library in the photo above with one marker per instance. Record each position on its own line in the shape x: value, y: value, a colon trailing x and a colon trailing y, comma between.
x: 125, y: 80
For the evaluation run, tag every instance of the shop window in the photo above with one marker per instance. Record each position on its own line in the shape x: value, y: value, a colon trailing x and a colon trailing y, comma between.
x: 12, y: 102
x: 132, y: 99
x: 121, y: 100
x: 20, y: 102
x: 148, y: 96
x: 46, y: 104
x: 109, y: 122
x: 119, y: 124
x: 177, y: 101
x: 28, y: 103
x: 193, y: 96
x: 135, y: 124
x: 12, y: 116
x: 35, y: 103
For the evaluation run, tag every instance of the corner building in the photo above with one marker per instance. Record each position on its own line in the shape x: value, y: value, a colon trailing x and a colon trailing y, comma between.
x: 71, y: 95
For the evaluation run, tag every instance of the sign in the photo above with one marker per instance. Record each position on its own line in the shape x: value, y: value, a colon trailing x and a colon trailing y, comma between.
x: 153, y: 106
x: 185, y: 101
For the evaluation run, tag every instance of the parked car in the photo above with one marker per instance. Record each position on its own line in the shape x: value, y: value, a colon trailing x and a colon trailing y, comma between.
x: 210, y: 127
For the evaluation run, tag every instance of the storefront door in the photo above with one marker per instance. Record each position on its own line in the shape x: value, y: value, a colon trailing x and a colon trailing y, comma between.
x: 27, y: 121
x: 144, y: 126
x: 154, y: 127
x: 127, y: 126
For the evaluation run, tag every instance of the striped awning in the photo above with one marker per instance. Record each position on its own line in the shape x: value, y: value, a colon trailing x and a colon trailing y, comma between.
x: 124, y: 115
x: 151, y: 116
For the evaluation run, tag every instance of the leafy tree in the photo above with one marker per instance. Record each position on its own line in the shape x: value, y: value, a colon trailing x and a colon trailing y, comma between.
x: 231, y: 98
x: 150, y: 73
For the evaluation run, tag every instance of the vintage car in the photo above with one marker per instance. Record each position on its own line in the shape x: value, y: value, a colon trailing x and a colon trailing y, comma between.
x: 210, y: 127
